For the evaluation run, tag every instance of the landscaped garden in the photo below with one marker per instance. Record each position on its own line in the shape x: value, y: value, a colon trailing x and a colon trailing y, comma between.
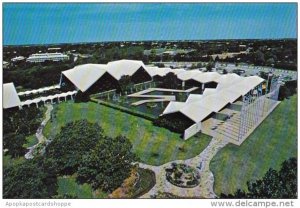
x: 183, y: 176
x: 153, y: 145
x: 274, y: 141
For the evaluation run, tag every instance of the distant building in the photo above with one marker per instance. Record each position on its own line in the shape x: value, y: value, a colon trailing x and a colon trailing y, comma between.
x: 18, y: 58
x: 54, y: 50
x: 5, y: 65
x: 42, y: 57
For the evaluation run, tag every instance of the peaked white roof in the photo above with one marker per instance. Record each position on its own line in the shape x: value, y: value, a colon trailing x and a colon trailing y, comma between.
x: 194, y: 98
x: 195, y: 112
x: 227, y: 79
x: 123, y: 67
x: 10, y: 96
x: 207, y: 77
x: 188, y: 74
x: 173, y: 107
x: 84, y: 76
x: 245, y: 85
x: 198, y: 107
x: 154, y: 71
x: 209, y: 91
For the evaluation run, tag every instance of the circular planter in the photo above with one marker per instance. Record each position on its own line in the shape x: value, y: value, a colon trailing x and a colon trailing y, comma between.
x: 182, y: 175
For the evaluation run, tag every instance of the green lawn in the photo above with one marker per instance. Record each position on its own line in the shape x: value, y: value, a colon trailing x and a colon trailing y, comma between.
x: 154, y: 145
x: 274, y: 141
x: 30, y: 141
x: 68, y: 186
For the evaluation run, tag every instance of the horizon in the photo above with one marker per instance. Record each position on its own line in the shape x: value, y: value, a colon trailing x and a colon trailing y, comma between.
x: 117, y: 41
x: 75, y: 23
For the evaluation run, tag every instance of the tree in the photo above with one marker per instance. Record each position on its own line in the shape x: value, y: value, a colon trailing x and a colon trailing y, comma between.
x: 170, y: 81
x: 65, y: 152
x: 125, y: 83
x: 17, y: 124
x: 14, y: 144
x: 108, y: 164
x: 28, y: 180
x: 284, y: 92
x: 209, y: 66
x: 25, y: 121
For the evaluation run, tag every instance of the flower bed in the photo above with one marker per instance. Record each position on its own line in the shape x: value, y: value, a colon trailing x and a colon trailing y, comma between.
x: 183, y: 176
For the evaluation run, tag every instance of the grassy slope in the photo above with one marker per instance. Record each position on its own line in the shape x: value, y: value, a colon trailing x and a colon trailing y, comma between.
x: 68, y: 185
x: 147, y: 139
x: 30, y: 141
x: 274, y: 141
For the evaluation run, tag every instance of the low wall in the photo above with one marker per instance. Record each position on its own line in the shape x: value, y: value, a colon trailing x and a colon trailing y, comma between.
x: 192, y: 130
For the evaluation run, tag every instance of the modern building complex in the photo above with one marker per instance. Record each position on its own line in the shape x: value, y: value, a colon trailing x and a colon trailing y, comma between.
x: 42, y: 57
x: 228, y: 105
x: 93, y: 78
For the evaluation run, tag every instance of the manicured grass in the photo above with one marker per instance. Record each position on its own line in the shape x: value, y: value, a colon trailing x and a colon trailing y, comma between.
x: 274, y: 141
x: 68, y: 186
x: 30, y: 141
x: 153, y: 145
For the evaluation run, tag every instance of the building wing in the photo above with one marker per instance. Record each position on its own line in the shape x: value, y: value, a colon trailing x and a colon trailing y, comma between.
x: 84, y: 76
x: 10, y: 96
x: 124, y: 67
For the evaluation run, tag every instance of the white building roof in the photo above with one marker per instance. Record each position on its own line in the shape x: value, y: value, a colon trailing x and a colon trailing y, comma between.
x: 227, y: 80
x: 10, y: 96
x: 245, y: 85
x: 193, y: 98
x: 156, y: 71
x: 123, y: 67
x: 84, y: 76
x: 207, y: 77
x: 173, y: 107
x: 195, y: 112
x: 209, y: 91
x: 188, y: 74
x: 198, y: 107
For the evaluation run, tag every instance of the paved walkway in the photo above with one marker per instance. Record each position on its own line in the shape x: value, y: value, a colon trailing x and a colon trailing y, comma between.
x: 200, y: 162
x: 39, y: 133
x: 140, y: 93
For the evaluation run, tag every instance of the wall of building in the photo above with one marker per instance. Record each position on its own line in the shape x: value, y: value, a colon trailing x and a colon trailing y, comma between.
x: 192, y: 130
x: 141, y: 75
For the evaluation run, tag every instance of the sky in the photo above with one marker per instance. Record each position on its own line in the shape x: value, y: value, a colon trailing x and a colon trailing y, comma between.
x: 36, y: 23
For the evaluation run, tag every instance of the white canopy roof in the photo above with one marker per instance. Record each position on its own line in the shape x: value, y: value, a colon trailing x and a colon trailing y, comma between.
x: 207, y: 77
x: 227, y: 79
x: 84, y: 76
x: 154, y: 71
x: 123, y: 67
x: 173, y: 107
x: 193, y: 98
x: 245, y: 85
x: 188, y: 74
x: 10, y: 96
x: 209, y: 91
x: 195, y: 112
x: 198, y: 107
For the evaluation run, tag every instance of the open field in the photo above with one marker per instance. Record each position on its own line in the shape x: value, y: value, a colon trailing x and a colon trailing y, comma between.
x: 274, y: 141
x: 153, y: 145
